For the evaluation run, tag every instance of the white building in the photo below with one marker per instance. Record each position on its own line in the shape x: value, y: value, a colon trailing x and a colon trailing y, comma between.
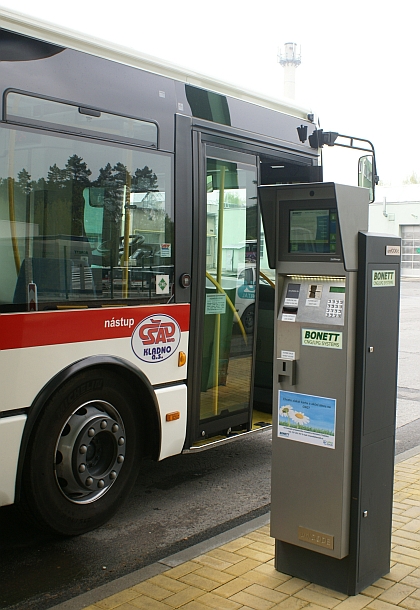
x: 396, y: 211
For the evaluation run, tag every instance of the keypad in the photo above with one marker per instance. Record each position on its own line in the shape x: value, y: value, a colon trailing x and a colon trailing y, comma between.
x: 334, y: 308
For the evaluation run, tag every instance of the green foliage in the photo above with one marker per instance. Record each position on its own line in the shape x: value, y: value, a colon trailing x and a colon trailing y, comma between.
x: 24, y: 182
x: 144, y: 180
x: 62, y: 190
x: 306, y: 428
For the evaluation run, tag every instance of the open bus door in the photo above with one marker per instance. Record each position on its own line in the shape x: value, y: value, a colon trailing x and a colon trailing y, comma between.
x: 234, y: 300
x: 230, y: 223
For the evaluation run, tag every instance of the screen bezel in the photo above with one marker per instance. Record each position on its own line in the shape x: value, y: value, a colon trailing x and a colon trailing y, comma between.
x: 284, y: 224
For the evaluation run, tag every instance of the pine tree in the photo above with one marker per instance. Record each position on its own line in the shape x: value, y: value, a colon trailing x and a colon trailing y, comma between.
x: 77, y: 174
x: 144, y: 180
x: 24, y: 181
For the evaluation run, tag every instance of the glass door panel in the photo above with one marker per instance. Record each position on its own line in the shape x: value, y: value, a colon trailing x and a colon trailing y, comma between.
x: 231, y: 279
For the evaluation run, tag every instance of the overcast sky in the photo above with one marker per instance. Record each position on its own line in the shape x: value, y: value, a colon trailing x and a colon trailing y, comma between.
x: 360, y: 59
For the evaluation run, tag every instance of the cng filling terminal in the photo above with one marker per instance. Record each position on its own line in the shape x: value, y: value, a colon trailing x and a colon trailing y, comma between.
x: 334, y: 386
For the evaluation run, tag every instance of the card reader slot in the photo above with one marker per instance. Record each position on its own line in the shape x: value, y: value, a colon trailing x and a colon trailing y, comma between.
x: 286, y: 371
x: 290, y: 310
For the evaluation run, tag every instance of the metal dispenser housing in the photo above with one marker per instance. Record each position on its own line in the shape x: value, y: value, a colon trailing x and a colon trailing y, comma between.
x: 335, y: 372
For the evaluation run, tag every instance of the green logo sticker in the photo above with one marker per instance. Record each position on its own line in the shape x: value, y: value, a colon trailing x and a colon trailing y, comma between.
x: 322, y: 338
x: 382, y: 278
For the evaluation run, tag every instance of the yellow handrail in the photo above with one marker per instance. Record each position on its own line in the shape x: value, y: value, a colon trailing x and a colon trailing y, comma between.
x: 126, y: 255
x: 12, y: 221
x: 267, y: 279
x: 231, y: 305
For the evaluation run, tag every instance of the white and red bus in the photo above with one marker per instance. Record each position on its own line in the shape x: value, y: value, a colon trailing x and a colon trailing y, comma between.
x: 131, y: 321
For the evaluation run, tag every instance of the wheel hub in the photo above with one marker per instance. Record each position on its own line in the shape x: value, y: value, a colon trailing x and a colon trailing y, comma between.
x: 90, y: 452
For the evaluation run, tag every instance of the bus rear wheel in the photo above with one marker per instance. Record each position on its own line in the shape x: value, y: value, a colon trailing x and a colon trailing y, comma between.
x: 83, y: 455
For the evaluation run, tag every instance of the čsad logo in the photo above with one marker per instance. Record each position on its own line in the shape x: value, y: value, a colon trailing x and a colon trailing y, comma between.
x: 156, y: 338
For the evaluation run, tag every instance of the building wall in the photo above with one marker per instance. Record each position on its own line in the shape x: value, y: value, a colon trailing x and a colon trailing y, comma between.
x: 396, y: 211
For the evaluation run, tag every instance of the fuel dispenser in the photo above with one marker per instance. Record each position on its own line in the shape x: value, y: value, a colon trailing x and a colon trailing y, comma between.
x: 335, y: 382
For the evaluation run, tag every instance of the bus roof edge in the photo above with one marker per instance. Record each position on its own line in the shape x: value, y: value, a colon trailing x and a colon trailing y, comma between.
x: 49, y: 32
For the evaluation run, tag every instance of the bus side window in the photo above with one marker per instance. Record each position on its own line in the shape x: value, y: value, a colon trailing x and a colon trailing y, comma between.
x: 82, y: 222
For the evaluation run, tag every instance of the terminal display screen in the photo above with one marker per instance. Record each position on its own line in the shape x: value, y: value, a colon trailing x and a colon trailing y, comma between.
x: 313, y: 231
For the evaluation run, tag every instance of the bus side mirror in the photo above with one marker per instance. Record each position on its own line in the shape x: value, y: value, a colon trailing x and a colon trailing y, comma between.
x: 367, y: 175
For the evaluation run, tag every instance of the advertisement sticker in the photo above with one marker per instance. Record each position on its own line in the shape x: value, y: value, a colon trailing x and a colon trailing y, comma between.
x: 306, y: 419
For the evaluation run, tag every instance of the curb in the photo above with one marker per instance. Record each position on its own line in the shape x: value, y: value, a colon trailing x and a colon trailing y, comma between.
x: 134, y: 578
x: 125, y: 582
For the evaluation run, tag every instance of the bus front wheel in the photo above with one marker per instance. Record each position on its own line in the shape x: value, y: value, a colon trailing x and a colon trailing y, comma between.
x: 83, y: 454
x: 248, y: 318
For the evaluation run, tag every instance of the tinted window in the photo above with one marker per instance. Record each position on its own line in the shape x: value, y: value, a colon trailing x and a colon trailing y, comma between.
x: 27, y: 109
x: 82, y: 223
x: 208, y: 105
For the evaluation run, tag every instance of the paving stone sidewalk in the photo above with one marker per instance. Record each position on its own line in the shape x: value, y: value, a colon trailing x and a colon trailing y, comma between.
x: 240, y: 574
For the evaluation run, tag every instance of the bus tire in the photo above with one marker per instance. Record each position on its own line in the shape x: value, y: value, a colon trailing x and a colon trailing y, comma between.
x: 83, y: 454
x: 248, y: 319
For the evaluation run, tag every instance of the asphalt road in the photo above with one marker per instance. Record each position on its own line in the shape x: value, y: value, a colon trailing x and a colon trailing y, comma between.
x: 177, y: 503
x: 408, y: 406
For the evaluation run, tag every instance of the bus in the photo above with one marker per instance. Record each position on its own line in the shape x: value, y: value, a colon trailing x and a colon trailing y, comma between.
x: 130, y: 249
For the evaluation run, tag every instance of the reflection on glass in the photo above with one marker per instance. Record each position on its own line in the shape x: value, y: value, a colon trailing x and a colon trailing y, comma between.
x: 366, y: 176
x: 231, y: 264
x: 30, y: 110
x: 82, y: 223
x: 410, y: 252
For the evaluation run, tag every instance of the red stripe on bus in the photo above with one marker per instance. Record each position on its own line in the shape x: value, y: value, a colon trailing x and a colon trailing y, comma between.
x: 20, y: 330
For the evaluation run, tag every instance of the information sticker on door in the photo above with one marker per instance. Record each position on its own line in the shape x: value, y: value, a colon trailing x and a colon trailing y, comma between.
x: 215, y: 304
